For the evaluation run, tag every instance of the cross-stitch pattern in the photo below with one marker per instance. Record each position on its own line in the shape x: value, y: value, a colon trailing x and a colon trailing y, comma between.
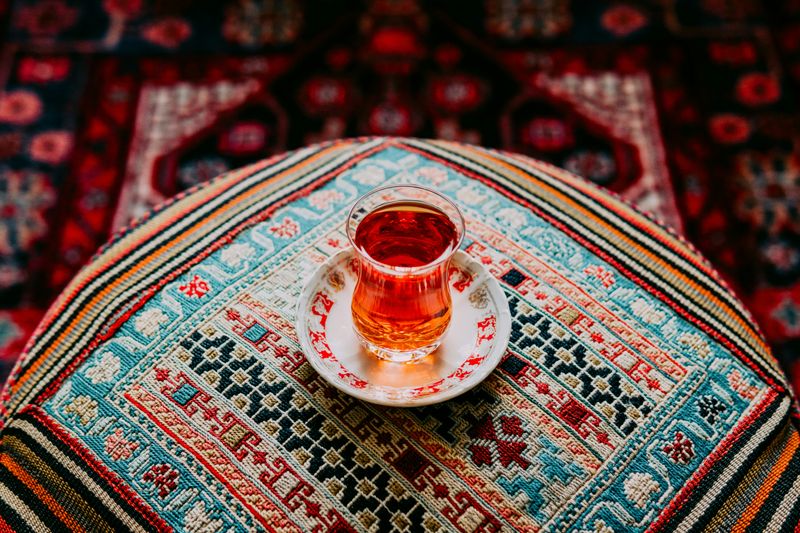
x: 619, y: 404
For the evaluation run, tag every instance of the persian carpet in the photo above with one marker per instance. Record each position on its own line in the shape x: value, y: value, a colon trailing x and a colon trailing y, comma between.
x: 684, y: 107
x: 165, y: 389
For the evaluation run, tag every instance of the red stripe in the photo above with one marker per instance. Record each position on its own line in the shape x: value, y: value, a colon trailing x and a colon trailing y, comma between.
x: 209, y: 467
x: 116, y: 483
x: 242, y: 175
x: 227, y: 238
x: 678, y: 308
x: 710, y: 461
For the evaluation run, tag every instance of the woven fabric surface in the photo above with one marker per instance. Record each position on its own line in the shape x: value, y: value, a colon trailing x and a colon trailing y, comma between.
x: 165, y: 388
x: 686, y: 108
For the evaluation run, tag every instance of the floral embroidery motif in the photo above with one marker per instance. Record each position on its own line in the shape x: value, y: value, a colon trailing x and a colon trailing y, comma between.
x: 51, y: 147
x: 118, y: 447
x: 47, y: 18
x: 287, y: 229
x: 639, y: 488
x: 592, y: 164
x: 470, y: 196
x: 369, y: 175
x: 728, y: 128
x: 696, y: 343
x: 756, y: 89
x: 770, y: 190
x: 681, y: 449
x: 104, y: 370
x: 198, y: 171
x: 168, y: 32
x: 20, y: 107
x: 710, y: 408
x: 198, y: 521
x: 622, y: 20
x: 548, y: 134
x: 24, y: 198
x: 163, y: 477
x: 601, y: 527
x: 647, y: 312
x: 520, y: 19
x: 741, y: 385
x: 233, y: 254
x: 149, y: 321
x: 501, y: 440
x: 435, y: 175
x: 254, y: 23
x: 43, y: 69
x: 196, y: 288
x: 606, y: 277
x: 84, y: 407
x: 512, y: 217
x: 324, y: 199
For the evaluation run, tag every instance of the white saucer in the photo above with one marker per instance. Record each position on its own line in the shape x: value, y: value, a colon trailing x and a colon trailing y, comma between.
x: 471, y: 349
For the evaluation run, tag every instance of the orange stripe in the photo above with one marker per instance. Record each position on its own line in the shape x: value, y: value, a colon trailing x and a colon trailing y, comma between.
x: 237, y: 176
x: 769, y: 482
x: 155, y: 254
x: 613, y: 203
x: 623, y: 237
x: 683, y: 248
x: 41, y: 493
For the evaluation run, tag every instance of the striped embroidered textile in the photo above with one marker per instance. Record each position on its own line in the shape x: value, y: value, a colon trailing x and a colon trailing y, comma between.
x: 165, y: 388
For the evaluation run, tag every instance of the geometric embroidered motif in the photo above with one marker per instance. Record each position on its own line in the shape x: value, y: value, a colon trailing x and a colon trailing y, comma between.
x: 501, y: 441
x: 554, y: 348
x: 710, y: 408
x: 333, y: 461
x: 203, y: 403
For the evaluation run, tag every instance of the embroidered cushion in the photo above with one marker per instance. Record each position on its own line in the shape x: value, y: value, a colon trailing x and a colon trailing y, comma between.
x: 165, y: 388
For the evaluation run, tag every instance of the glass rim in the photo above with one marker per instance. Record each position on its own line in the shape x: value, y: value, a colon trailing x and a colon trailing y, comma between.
x: 460, y: 224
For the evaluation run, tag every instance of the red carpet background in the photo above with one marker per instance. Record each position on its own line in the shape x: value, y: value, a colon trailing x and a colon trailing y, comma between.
x: 687, y: 108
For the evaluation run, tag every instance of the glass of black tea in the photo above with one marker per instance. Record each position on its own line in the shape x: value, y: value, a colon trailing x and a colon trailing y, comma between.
x: 404, y: 237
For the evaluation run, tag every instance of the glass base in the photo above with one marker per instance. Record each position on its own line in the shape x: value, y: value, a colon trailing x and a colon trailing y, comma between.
x: 397, y: 356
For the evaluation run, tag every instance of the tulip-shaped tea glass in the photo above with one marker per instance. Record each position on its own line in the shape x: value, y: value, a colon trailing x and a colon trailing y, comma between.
x: 404, y: 237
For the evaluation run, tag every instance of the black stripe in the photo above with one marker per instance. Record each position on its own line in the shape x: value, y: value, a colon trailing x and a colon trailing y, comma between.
x: 632, y: 264
x: 12, y: 517
x: 24, y: 493
x: 792, y: 522
x: 72, y: 480
x: 693, y: 499
x: 173, y: 271
x: 582, y: 200
x: 776, y: 495
x: 155, y: 242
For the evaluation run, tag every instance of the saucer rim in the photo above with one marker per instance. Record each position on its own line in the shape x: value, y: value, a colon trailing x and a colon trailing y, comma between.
x: 485, y: 368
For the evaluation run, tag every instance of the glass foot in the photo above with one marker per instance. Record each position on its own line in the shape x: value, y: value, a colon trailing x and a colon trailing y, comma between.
x: 398, y: 356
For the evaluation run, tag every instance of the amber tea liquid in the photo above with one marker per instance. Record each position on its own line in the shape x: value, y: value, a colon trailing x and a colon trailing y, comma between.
x: 403, y: 312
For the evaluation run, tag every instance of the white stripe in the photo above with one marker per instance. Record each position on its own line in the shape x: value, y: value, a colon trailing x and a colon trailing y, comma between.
x: 80, y: 473
x: 100, y: 313
x: 789, y: 501
x: 180, y: 225
x: 22, y: 508
x: 736, y: 463
x: 642, y: 271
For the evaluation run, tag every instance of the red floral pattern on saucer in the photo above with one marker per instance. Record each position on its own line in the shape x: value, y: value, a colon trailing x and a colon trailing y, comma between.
x: 472, y: 347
